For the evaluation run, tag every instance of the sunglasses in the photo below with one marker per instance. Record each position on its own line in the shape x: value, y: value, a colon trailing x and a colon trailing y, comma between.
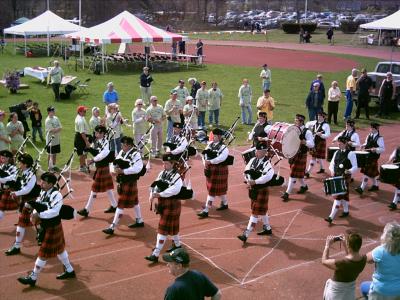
x: 140, y: 104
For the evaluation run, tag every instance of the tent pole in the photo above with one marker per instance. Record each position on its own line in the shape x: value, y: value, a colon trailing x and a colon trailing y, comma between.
x: 48, y: 42
x: 25, y: 43
x: 102, y: 57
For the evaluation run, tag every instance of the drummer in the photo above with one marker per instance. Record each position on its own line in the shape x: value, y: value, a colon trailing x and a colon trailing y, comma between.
x: 395, y: 159
x: 321, y: 131
x: 299, y: 162
x: 375, y: 145
x: 260, y: 130
x: 351, y: 134
x: 343, y: 163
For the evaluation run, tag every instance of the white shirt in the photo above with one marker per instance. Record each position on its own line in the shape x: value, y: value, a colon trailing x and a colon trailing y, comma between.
x: 381, y: 144
x: 265, y: 75
x: 181, y: 146
x: 104, y: 152
x: 54, y: 206
x: 267, y: 171
x: 354, y: 140
x: 222, y: 156
x: 173, y: 189
x: 353, y: 160
x: 309, y: 138
x: 136, y: 163
x: 27, y: 187
x: 334, y: 94
x: 325, y: 127
x: 12, y: 171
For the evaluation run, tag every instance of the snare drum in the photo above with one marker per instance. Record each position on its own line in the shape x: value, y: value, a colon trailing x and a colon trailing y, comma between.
x: 249, y: 154
x: 284, y: 139
x: 335, y: 186
x: 362, y: 157
x: 390, y: 173
x: 331, y: 152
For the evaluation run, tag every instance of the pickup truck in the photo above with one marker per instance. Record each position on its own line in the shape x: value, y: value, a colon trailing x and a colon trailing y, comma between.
x: 380, y: 74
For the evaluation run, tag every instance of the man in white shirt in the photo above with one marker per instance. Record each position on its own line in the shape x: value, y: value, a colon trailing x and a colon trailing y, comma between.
x: 265, y: 75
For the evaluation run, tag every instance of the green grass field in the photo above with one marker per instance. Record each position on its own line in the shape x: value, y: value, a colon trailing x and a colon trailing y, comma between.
x: 289, y: 90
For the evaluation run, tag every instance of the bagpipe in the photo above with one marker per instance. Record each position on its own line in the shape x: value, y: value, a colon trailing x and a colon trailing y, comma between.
x: 125, y: 164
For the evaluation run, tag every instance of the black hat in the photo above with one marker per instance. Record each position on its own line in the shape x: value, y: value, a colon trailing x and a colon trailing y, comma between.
x: 127, y: 140
x: 375, y: 125
x: 26, y: 159
x: 351, y: 122
x: 100, y: 129
x: 343, y: 139
x: 262, y: 114
x: 6, y: 153
x: 50, y: 108
x: 300, y: 117
x: 49, y: 177
x: 179, y: 256
x: 177, y: 125
x: 322, y: 113
x: 168, y: 157
x: 217, y: 131
x: 261, y: 146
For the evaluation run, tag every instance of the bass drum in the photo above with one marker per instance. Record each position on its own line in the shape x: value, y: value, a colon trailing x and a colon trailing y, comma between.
x: 284, y: 138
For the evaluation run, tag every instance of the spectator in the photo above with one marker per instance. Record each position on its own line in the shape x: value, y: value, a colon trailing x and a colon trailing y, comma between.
x: 329, y: 35
x: 15, y: 130
x: 195, y: 87
x: 22, y: 111
x: 191, y: 113
x: 139, y: 124
x: 145, y: 85
x: 182, y: 47
x: 386, y: 257
x: 173, y: 50
x: 4, y: 138
x: 155, y: 115
x: 387, y: 93
x: 56, y: 75
x: 266, y: 77
x: 114, y: 121
x: 110, y: 95
x: 364, y: 85
x: 245, y: 93
x: 314, y: 102
x: 81, y: 140
x: 36, y: 119
x: 319, y: 79
x: 199, y: 51
x: 266, y: 104
x: 202, y: 98
x: 2, y: 45
x: 173, y: 110
x: 346, y: 269
x: 350, y: 90
x: 189, y: 284
x: 334, y: 95
x: 307, y: 37
x: 301, y: 35
x: 53, y: 128
x: 214, y: 103
x: 182, y: 92
x: 95, y: 120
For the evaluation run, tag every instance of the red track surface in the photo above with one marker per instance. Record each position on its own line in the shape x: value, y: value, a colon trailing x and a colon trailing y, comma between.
x: 283, y: 266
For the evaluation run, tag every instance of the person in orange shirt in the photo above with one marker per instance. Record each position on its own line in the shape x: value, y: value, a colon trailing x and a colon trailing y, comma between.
x: 266, y: 104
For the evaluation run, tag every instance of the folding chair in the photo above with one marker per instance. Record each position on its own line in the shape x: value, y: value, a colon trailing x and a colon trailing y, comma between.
x: 84, y: 87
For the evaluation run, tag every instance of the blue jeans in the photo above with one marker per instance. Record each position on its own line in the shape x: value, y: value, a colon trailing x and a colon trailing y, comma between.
x: 349, y: 105
x: 201, y: 122
x: 364, y: 288
x: 213, y: 114
x: 170, y: 129
x: 312, y: 113
x: 266, y: 85
x: 246, y: 108
x: 37, y: 130
x: 115, y: 145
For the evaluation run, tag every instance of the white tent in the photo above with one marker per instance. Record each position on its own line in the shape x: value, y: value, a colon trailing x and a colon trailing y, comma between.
x: 391, y: 22
x: 48, y: 23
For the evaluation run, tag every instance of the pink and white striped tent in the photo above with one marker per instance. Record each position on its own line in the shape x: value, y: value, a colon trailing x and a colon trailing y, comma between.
x: 125, y: 28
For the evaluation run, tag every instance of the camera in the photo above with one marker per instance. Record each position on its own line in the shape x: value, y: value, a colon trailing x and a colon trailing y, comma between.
x: 338, y: 238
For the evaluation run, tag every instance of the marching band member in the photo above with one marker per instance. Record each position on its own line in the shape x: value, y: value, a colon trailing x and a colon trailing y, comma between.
x: 299, y: 162
x: 351, y: 134
x: 127, y: 183
x: 375, y: 145
x: 8, y: 173
x: 260, y: 130
x: 216, y: 172
x: 257, y: 173
x: 27, y: 191
x: 321, y: 131
x: 102, y: 180
x: 167, y: 206
x: 343, y: 163
x: 177, y: 143
x: 395, y: 159
x: 47, y: 211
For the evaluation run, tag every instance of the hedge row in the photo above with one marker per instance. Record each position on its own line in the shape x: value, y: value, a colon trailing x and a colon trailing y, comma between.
x: 349, y: 26
x: 295, y: 27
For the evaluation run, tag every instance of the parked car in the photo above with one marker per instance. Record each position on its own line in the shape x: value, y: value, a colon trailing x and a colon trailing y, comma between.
x: 326, y: 25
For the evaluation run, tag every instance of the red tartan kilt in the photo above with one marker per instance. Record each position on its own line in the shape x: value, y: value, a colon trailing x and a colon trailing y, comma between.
x: 102, y: 180
x: 259, y: 207
x: 169, y: 218
x: 298, y: 168
x: 319, y: 150
x: 371, y: 168
x: 217, y: 183
x: 24, y: 218
x: 345, y: 196
x: 128, y: 195
x: 53, y: 242
x: 7, y: 202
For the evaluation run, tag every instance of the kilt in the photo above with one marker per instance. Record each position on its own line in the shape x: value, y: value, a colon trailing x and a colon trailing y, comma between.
x: 259, y: 207
x: 371, y: 168
x: 298, y: 166
x: 217, y: 183
x: 347, y: 179
x: 24, y: 218
x: 319, y: 150
x: 102, y: 180
x: 128, y: 194
x: 7, y: 202
x: 169, y: 217
x: 53, y: 242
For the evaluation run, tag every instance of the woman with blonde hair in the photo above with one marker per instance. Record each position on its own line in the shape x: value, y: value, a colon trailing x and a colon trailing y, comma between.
x: 15, y: 130
x: 139, y: 123
x: 334, y: 95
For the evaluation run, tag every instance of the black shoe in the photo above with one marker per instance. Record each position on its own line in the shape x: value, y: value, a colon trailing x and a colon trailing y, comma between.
x: 110, y: 210
x: 66, y: 275
x: 136, y: 225
x: 373, y: 188
x: 352, y: 179
x: 27, y: 280
x: 285, y: 197
x: 242, y: 237
x: 203, y: 214
x: 344, y: 215
x: 303, y: 189
x: 265, y: 232
x: 109, y: 231
x: 307, y: 175
x: 359, y: 190
x: 152, y: 258
x: 392, y: 206
x: 173, y: 247
x: 321, y: 171
x: 329, y: 220
x: 13, y: 251
x: 83, y: 212
x: 222, y: 207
